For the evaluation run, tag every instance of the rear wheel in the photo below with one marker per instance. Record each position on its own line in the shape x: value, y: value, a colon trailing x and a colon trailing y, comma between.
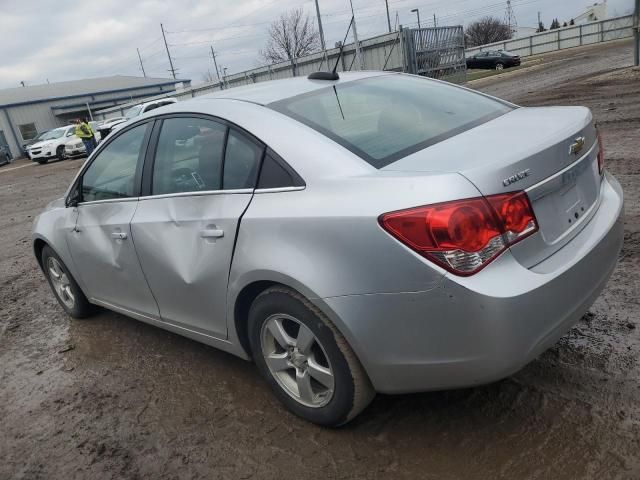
x: 305, y: 359
x: 64, y: 286
x: 60, y: 152
x: 499, y: 67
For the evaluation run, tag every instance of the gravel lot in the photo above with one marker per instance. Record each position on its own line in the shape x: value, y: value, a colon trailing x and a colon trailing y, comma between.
x: 110, y: 397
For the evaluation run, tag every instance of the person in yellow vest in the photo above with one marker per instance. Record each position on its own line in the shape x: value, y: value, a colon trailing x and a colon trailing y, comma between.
x: 85, y: 132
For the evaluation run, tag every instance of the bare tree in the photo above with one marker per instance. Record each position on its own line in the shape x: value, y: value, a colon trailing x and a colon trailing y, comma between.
x: 290, y: 36
x: 209, y: 77
x: 486, y: 30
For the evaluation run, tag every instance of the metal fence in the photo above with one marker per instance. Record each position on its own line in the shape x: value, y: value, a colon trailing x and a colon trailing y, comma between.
x: 437, y: 52
x: 566, y: 37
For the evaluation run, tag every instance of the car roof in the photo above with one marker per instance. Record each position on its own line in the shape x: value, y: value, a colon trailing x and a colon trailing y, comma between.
x: 270, y: 91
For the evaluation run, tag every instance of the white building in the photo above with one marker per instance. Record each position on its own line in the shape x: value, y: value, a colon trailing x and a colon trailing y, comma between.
x: 597, y: 11
x: 25, y: 112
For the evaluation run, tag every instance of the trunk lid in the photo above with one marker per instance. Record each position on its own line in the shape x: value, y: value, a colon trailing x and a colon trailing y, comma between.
x: 550, y: 152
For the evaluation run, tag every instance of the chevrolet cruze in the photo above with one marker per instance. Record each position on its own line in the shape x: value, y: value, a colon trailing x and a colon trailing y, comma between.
x: 356, y: 235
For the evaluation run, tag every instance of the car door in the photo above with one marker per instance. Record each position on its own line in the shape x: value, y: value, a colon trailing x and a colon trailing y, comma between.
x: 199, y: 184
x: 101, y: 243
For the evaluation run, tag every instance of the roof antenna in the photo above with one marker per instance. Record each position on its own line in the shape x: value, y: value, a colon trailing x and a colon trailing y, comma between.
x: 332, y: 75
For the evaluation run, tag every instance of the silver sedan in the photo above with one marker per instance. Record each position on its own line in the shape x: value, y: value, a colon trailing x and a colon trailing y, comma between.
x: 376, y: 233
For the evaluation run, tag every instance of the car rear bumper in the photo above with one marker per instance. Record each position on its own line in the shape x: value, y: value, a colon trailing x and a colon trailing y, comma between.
x: 475, y: 330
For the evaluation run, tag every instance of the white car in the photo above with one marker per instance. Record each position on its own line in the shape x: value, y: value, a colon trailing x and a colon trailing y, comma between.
x: 75, y: 148
x: 147, y: 107
x: 107, y: 125
x: 52, y: 144
x: 138, y: 110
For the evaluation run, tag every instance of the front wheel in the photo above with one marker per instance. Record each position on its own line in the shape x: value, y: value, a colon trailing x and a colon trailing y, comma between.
x: 60, y: 152
x: 499, y: 67
x: 306, y: 361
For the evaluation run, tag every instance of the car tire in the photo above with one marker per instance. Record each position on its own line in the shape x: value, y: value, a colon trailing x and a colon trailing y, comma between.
x: 344, y: 389
x: 499, y: 67
x: 60, y: 152
x: 65, y: 288
x: 42, y: 162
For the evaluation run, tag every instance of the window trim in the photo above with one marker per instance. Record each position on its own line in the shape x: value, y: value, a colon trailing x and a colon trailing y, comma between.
x: 77, y: 183
x: 147, y: 174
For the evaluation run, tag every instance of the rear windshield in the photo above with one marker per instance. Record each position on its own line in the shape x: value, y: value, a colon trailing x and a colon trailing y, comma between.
x: 385, y: 118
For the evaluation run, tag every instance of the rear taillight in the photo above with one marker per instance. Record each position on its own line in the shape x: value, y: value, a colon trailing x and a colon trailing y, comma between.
x: 464, y: 236
x: 600, y: 154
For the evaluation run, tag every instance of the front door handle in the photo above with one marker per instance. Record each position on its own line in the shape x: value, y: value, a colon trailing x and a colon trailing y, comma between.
x: 119, y: 235
x: 212, y: 233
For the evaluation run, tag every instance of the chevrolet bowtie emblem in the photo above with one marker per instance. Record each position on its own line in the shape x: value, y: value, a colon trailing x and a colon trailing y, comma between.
x: 577, y: 146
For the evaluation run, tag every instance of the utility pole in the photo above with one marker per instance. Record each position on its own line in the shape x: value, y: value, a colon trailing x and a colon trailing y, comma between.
x: 386, y: 2
x: 324, y: 47
x: 141, y: 65
x: 417, y: 12
x: 355, y: 39
x: 172, y: 70
x: 435, y: 22
x: 636, y: 34
x: 539, y: 23
x: 215, y: 64
x: 510, y: 19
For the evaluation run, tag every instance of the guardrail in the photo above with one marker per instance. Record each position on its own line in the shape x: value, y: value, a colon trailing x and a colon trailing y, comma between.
x: 564, y: 37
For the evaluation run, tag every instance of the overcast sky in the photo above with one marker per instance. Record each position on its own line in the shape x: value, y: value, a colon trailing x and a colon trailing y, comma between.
x: 43, y: 39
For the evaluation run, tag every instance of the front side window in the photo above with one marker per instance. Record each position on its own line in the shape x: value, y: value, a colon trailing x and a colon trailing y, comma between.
x: 112, y: 174
x: 385, y: 118
x: 188, y: 156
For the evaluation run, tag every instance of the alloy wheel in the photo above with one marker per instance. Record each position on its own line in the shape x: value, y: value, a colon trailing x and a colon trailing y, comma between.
x: 60, y: 282
x: 297, y: 360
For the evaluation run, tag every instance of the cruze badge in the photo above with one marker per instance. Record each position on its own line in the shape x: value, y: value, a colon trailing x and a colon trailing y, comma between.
x: 516, y: 178
x: 576, y: 147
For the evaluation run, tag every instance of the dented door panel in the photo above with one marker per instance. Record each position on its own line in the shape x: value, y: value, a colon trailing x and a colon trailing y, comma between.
x: 106, y: 260
x: 185, y: 245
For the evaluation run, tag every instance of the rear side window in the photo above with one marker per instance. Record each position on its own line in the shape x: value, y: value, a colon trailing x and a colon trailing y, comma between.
x: 385, y: 118
x: 241, y: 162
x: 274, y: 175
x: 188, y: 156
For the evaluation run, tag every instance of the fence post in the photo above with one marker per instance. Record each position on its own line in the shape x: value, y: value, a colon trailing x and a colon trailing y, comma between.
x: 402, y: 50
x: 558, y: 34
x: 580, y: 35
x: 531, y: 45
x: 602, y: 31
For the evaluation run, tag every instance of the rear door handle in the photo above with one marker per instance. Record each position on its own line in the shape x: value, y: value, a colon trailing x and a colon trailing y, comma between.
x: 212, y: 233
x: 119, y: 235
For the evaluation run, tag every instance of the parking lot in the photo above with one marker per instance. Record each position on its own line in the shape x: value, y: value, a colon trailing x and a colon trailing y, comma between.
x: 110, y: 397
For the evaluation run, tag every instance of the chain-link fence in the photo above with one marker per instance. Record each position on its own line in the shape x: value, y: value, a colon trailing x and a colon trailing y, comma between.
x: 436, y: 52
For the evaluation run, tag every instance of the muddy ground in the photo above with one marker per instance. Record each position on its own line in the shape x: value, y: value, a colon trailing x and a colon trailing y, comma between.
x: 110, y: 397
